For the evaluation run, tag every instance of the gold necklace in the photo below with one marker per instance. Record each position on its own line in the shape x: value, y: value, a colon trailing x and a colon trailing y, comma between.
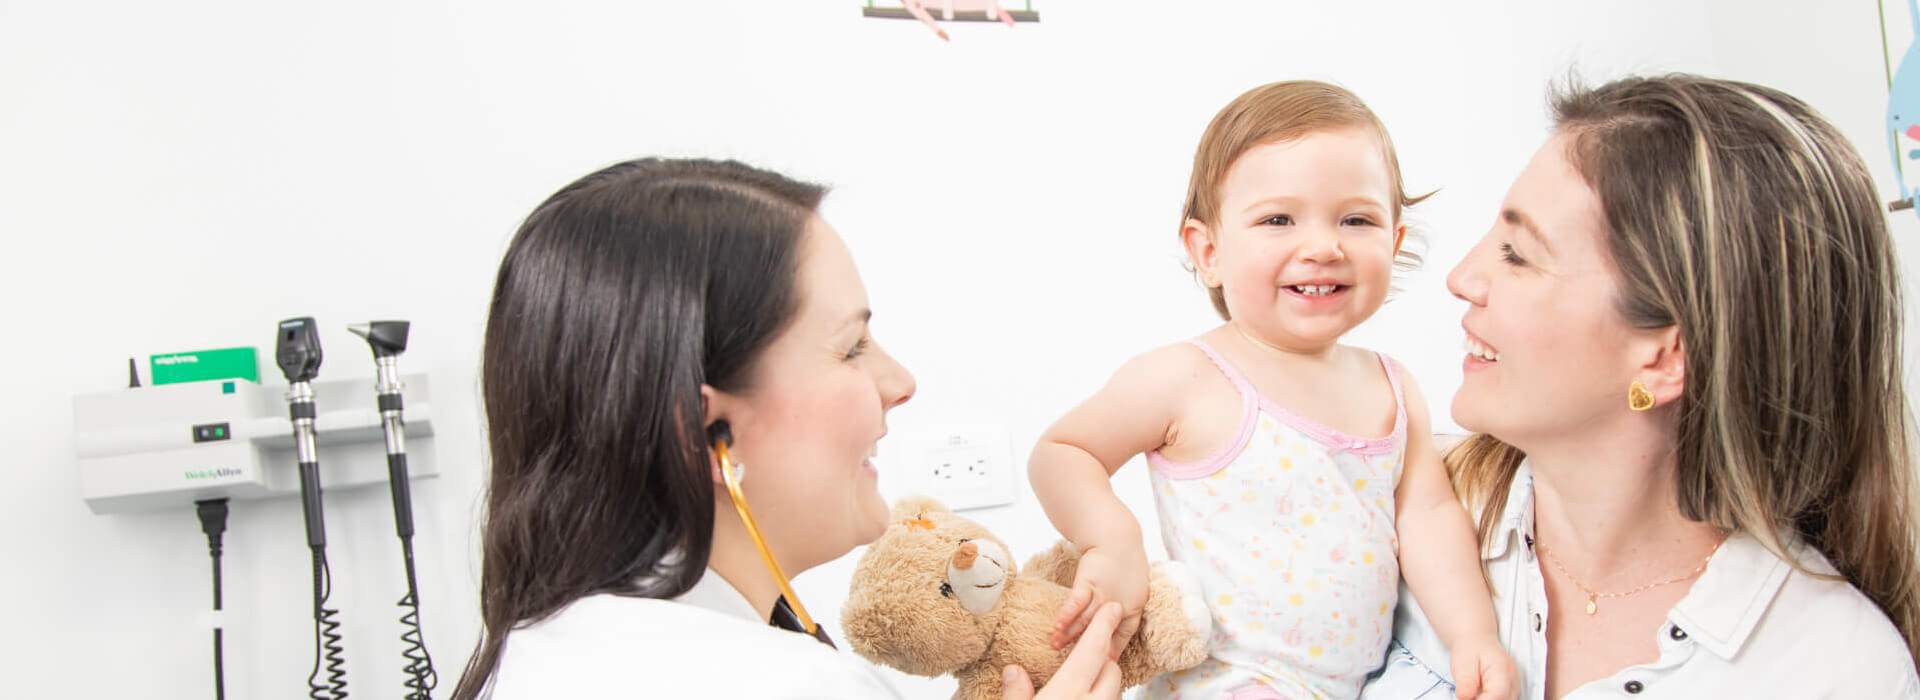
x: 1593, y: 599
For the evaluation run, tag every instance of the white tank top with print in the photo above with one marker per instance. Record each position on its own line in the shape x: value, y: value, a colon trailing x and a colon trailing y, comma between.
x: 1290, y: 530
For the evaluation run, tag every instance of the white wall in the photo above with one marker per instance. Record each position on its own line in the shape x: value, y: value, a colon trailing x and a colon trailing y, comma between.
x: 181, y: 175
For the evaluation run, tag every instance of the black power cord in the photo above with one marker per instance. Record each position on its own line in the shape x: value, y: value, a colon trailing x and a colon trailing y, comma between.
x: 213, y: 521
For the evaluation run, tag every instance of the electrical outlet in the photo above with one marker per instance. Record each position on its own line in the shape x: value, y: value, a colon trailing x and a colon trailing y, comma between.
x: 963, y: 466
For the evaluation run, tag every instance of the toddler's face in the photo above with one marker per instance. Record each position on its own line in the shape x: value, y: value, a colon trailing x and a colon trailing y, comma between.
x: 1303, y: 249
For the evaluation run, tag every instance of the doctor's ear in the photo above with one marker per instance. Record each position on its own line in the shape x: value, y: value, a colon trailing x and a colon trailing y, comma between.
x: 709, y: 404
x: 716, y: 407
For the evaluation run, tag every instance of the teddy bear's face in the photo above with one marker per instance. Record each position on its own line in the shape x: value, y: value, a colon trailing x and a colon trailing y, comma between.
x: 925, y: 597
x: 977, y: 573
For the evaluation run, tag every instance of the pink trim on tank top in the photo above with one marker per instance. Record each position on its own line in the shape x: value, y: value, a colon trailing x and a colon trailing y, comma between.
x: 1252, y: 402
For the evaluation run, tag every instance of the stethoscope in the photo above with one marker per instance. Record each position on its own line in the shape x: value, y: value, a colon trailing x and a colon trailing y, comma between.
x: 788, y: 613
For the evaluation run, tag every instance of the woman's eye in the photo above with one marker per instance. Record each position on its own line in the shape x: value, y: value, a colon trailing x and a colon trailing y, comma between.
x: 1512, y: 258
x: 858, y: 349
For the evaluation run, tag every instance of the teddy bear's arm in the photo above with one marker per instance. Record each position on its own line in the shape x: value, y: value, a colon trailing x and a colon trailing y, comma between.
x: 978, y: 682
x: 1058, y: 564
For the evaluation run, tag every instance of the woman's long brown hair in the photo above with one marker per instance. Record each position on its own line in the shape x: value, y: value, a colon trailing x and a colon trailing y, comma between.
x: 1739, y: 215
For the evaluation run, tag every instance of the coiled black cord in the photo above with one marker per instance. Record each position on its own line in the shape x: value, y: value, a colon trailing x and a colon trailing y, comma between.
x: 327, y: 648
x: 419, y: 667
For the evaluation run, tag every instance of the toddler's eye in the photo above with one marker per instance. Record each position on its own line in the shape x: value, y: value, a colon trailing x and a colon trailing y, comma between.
x: 1277, y: 220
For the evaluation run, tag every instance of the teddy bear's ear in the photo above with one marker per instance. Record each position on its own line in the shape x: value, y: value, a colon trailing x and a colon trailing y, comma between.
x: 916, y: 508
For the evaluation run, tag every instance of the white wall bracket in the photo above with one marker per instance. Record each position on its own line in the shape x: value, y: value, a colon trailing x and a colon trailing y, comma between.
x: 167, y: 446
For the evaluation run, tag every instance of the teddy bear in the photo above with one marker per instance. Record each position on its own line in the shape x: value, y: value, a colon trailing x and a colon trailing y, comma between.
x: 939, y: 594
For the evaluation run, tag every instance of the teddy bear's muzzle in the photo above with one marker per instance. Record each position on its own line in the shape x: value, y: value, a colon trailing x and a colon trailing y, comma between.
x: 978, y: 572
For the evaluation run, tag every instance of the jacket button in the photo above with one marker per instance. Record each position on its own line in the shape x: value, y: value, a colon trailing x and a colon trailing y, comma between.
x: 1634, y: 687
x: 1676, y: 633
x: 1536, y: 622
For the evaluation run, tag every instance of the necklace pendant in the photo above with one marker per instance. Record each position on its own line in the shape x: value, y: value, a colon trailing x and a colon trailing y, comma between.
x: 1593, y: 605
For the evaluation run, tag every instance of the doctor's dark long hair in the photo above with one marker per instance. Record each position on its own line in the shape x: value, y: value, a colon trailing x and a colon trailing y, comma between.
x: 618, y: 298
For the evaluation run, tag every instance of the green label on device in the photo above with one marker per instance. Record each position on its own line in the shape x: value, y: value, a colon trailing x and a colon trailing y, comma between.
x: 225, y: 363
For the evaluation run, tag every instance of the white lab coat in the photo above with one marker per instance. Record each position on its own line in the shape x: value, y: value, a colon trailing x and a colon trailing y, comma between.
x: 708, y: 643
x: 1750, y: 627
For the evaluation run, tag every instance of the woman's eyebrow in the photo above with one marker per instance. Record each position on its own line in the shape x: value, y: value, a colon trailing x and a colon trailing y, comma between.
x: 859, y: 317
x: 1515, y: 217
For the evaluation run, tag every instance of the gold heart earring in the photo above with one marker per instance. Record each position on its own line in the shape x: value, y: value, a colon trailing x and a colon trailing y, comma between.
x: 1638, y: 398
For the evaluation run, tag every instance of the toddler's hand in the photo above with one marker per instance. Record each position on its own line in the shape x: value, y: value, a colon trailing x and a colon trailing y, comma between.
x: 1482, y: 670
x: 1105, y: 574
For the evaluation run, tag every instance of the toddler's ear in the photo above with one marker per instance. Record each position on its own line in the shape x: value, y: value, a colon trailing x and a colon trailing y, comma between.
x: 1399, y: 237
x: 1198, y: 240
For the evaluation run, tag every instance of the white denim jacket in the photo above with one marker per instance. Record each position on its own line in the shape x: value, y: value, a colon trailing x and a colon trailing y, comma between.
x: 1750, y: 627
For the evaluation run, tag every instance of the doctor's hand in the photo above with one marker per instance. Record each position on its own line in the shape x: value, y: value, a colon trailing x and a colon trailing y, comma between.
x: 1116, y: 574
x: 1087, y: 672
